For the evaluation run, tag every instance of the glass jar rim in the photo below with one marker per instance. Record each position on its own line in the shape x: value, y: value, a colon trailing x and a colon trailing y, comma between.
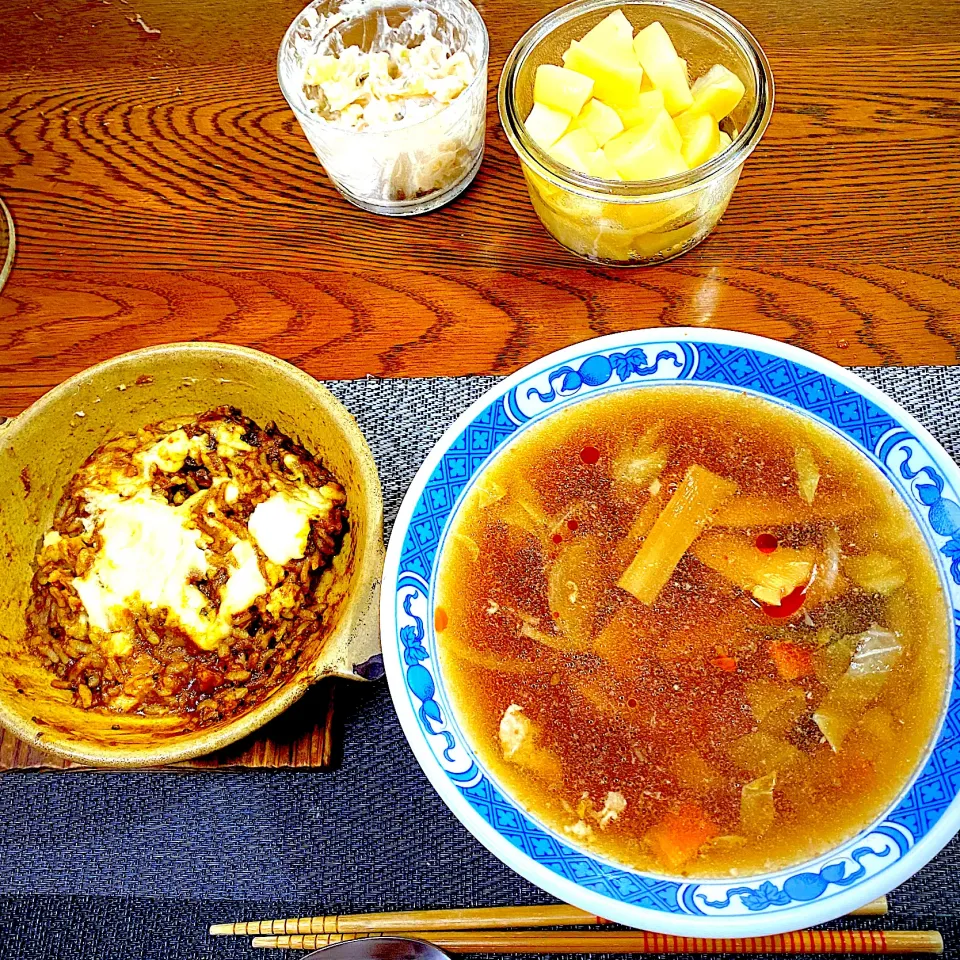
x: 625, y: 191
x: 479, y: 77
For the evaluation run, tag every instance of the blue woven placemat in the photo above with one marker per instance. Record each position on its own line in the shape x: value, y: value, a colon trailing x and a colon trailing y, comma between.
x: 136, y: 865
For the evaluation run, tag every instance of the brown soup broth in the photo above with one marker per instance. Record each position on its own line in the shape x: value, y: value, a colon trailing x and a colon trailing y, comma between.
x: 708, y: 733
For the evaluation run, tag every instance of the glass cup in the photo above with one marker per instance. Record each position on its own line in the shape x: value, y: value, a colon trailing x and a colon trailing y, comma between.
x: 411, y: 167
x: 634, y: 223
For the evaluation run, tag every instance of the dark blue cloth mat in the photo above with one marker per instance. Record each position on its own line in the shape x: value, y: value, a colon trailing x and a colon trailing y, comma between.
x: 106, y: 865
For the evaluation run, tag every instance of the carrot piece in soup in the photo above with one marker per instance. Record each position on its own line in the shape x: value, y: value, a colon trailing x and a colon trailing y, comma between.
x: 679, y: 836
x: 791, y: 660
x: 726, y: 664
x: 700, y: 494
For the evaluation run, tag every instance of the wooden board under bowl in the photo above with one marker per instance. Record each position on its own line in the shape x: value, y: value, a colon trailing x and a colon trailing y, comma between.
x: 304, y: 737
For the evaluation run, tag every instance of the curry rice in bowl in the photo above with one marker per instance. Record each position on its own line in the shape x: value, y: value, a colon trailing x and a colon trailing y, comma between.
x: 182, y: 571
x: 685, y: 647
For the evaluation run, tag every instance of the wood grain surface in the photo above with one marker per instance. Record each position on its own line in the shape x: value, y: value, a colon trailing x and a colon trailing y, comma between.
x: 163, y: 190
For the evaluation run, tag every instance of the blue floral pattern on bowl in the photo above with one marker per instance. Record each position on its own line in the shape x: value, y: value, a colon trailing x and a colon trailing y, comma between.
x: 869, y: 864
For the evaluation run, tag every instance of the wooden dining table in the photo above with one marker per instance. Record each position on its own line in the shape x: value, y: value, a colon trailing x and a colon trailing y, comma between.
x: 162, y: 190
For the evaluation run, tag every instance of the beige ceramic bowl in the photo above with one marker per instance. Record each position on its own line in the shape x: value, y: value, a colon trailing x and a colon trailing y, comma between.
x: 42, y: 448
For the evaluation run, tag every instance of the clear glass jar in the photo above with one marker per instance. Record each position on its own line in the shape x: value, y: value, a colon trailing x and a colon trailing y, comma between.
x: 633, y: 223
x: 411, y: 167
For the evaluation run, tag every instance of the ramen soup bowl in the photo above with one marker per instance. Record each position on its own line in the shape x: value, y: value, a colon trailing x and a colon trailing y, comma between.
x: 668, y: 620
x: 41, y: 450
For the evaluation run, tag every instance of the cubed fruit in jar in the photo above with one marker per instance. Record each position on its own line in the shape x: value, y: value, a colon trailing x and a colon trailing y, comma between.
x: 574, y: 149
x: 666, y: 129
x: 612, y: 35
x: 599, y: 166
x: 668, y: 242
x: 595, y: 230
x: 649, y: 104
x: 587, y: 236
x: 602, y: 121
x: 649, y: 160
x: 574, y: 205
x: 571, y: 232
x: 603, y: 241
x: 659, y: 126
x: 659, y: 59
x: 562, y: 89
x: 546, y: 125
x: 616, y: 81
x: 652, y: 215
x: 536, y: 183
x: 701, y: 137
x: 647, y: 153
x: 717, y: 92
x: 611, y: 243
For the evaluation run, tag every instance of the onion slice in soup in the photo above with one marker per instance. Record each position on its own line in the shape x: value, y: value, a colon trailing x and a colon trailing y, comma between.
x: 808, y: 473
x: 877, y: 653
x: 757, y: 811
x: 574, y: 583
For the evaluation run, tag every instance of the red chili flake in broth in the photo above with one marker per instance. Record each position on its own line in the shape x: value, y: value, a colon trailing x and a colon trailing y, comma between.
x: 556, y: 538
x: 788, y: 606
x: 766, y: 543
x: 440, y: 619
x: 590, y: 455
x: 572, y: 524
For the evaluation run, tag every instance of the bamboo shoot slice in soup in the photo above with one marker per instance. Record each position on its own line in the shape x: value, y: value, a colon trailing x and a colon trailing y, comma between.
x: 695, y: 632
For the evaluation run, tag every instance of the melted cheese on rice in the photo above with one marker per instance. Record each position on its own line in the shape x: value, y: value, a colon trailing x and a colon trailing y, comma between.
x: 152, y: 551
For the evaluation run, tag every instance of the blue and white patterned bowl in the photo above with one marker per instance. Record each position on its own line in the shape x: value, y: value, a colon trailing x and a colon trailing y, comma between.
x: 926, y: 815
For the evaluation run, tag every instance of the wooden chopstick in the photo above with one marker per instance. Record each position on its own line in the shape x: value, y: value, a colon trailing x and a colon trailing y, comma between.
x: 477, y: 918
x: 588, y: 941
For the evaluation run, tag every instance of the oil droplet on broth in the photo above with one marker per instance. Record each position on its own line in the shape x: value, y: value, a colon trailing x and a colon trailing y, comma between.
x: 766, y: 543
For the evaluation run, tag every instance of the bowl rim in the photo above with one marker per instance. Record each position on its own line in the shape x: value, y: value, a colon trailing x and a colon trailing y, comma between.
x: 726, y: 161
x: 915, y: 854
x: 214, y: 738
